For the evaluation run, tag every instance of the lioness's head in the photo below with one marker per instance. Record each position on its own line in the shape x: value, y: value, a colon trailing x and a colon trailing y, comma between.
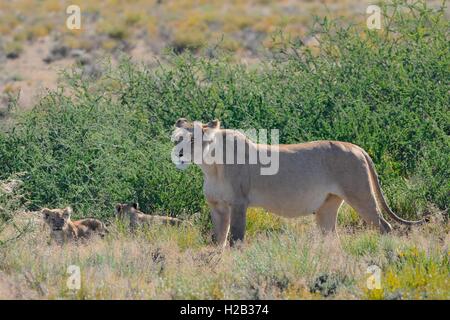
x: 57, y: 219
x: 124, y: 211
x: 191, y: 139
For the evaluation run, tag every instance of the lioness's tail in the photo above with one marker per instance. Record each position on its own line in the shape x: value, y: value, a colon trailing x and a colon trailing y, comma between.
x: 380, y: 196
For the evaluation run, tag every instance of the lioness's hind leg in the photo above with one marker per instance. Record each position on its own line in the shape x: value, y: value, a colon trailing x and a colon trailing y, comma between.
x: 326, y: 215
x: 366, y: 207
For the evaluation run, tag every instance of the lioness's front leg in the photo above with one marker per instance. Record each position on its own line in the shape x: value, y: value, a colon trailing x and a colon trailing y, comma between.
x: 238, y: 215
x: 220, y: 216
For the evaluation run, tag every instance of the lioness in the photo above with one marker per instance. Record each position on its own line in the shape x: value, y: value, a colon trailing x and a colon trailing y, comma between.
x: 63, y: 229
x: 131, y: 213
x: 312, y: 178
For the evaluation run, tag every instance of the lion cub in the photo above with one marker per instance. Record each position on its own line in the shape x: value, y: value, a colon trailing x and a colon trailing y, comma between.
x: 138, y: 218
x: 62, y: 229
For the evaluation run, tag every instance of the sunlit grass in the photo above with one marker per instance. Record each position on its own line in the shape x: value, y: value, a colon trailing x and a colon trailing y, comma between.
x: 259, y: 220
x: 173, y: 263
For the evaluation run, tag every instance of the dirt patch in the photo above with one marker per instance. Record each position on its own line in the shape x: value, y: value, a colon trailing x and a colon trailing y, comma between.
x: 28, y: 75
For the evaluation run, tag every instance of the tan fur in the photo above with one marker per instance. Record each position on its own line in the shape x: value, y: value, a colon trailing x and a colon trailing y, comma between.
x: 314, y: 177
x: 136, y: 218
x: 63, y: 229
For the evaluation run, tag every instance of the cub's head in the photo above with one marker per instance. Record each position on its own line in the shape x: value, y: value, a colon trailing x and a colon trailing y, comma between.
x: 191, y: 140
x: 57, y: 219
x: 124, y: 211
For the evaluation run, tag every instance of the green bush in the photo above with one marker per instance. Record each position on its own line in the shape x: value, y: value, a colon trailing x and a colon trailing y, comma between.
x: 385, y: 90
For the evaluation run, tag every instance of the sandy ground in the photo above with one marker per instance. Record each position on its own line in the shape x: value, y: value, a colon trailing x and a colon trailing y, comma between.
x: 34, y: 75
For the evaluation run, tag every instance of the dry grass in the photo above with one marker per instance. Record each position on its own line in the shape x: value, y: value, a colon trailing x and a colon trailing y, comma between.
x: 280, y: 259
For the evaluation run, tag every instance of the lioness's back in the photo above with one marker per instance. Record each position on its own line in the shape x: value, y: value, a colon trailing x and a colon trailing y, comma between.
x: 307, y: 173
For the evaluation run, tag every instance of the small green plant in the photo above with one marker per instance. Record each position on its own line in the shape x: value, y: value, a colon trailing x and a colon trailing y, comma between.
x: 13, y: 49
x: 191, y: 40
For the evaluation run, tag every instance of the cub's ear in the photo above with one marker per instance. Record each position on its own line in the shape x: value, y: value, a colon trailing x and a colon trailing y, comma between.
x: 118, y: 207
x: 67, y: 212
x: 182, y: 123
x: 45, y: 213
x: 135, y: 205
x: 214, y: 124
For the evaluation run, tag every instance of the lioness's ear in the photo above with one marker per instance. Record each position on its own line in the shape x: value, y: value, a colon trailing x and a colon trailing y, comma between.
x: 182, y: 123
x: 214, y: 124
x: 67, y: 212
x: 135, y: 205
x: 118, y: 207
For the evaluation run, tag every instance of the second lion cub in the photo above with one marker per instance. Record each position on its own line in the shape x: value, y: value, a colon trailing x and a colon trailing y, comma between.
x: 137, y: 218
x: 63, y: 229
